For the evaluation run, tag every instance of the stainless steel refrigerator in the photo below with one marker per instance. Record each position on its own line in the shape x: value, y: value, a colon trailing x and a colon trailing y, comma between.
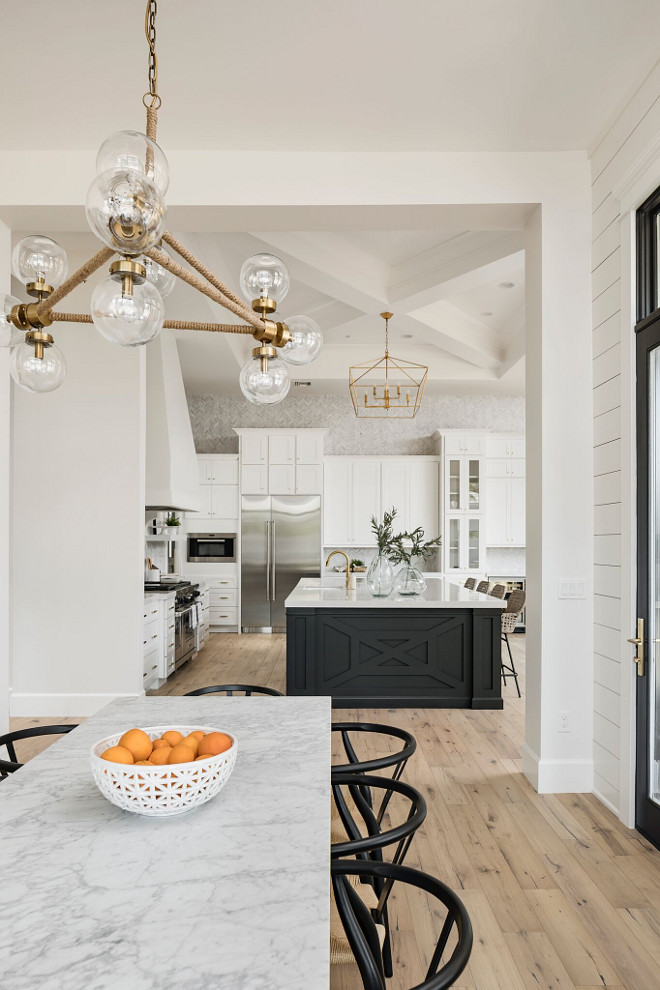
x: 280, y: 544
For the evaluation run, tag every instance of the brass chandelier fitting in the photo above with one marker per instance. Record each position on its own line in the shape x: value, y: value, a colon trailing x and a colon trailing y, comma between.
x: 126, y: 210
x: 388, y: 388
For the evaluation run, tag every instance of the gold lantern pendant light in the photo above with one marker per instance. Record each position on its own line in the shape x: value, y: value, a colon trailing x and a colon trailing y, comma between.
x: 389, y: 388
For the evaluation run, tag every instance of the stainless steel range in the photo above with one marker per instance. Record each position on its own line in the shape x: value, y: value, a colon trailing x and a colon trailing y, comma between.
x: 185, y: 617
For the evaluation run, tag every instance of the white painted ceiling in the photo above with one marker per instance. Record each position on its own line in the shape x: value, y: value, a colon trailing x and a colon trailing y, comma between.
x: 350, y: 74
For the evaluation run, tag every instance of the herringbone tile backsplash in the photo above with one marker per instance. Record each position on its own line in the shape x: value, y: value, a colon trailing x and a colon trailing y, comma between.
x: 214, y: 418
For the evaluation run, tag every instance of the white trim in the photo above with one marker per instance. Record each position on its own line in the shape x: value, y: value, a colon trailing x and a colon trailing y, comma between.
x: 628, y: 190
x: 557, y: 776
x: 25, y: 705
x: 608, y: 804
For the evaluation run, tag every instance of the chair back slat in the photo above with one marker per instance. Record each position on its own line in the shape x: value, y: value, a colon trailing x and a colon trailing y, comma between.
x: 33, y: 731
x: 516, y: 601
x: 498, y: 591
x: 228, y: 689
x: 470, y: 584
x: 483, y: 587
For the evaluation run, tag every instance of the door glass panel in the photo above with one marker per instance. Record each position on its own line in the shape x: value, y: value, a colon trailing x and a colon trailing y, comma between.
x: 455, y: 485
x: 454, y: 543
x: 654, y: 575
x: 473, y: 544
x: 473, y: 485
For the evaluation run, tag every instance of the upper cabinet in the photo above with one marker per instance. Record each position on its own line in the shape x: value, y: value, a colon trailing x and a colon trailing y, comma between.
x: 218, y: 479
x: 219, y: 470
x: 463, y: 484
x: 506, y: 491
x: 281, y: 462
x: 464, y: 443
x: 410, y: 484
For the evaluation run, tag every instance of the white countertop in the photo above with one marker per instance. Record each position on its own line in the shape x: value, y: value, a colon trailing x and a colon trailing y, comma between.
x: 330, y: 592
x: 233, y: 895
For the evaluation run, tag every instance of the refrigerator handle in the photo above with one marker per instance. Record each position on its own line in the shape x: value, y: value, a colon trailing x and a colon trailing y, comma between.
x: 273, y: 559
x: 267, y: 561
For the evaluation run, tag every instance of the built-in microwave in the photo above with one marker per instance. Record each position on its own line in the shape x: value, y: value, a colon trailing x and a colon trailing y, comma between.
x: 212, y: 548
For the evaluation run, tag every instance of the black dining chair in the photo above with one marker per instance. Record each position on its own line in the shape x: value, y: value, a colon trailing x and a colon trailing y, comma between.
x: 9, y: 738
x: 245, y: 690
x: 7, y: 767
x: 355, y: 832
x: 365, y: 939
x: 391, y: 761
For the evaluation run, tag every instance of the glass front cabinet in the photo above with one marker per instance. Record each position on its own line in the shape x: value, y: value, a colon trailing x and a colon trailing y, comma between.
x: 463, y: 484
x: 464, y: 544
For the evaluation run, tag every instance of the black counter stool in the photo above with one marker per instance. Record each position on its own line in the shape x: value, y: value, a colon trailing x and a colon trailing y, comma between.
x: 357, y: 833
x: 514, y: 606
x: 396, y: 761
x: 10, y: 738
x: 243, y: 689
x: 364, y: 937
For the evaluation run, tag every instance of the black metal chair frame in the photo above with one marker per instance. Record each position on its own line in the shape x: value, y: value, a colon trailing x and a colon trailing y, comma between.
x: 10, y: 738
x: 362, y: 936
x: 228, y: 689
x: 370, y: 847
x: 511, y: 668
x: 7, y: 767
x: 397, y: 760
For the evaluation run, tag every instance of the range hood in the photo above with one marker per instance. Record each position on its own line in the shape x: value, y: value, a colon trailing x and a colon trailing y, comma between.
x: 172, y: 478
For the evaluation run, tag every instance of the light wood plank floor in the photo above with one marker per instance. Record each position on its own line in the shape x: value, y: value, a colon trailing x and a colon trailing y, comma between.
x: 561, y: 895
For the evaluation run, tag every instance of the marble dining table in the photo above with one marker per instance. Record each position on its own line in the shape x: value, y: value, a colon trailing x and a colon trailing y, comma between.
x: 233, y: 895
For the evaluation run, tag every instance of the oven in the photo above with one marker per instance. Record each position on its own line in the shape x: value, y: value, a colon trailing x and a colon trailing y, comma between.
x: 185, y: 624
x: 212, y: 548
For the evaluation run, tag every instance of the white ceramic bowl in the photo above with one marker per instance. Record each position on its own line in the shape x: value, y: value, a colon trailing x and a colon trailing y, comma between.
x: 162, y: 791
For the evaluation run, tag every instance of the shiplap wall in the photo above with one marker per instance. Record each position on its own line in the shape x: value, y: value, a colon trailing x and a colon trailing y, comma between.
x: 621, y: 149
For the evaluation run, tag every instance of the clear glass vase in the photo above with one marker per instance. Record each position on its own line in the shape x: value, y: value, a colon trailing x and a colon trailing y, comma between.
x: 380, y: 576
x: 409, y: 581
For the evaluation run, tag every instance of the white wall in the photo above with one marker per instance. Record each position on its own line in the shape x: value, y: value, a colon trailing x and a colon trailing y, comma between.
x: 625, y: 169
x: 78, y: 531
x: 5, y: 493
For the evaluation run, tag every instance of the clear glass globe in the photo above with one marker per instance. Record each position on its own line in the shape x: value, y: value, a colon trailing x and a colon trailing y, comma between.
x: 163, y: 279
x: 127, y: 320
x: 135, y: 151
x: 264, y: 276
x: 265, y: 386
x: 9, y: 334
x: 38, y: 258
x: 125, y: 211
x: 37, y: 374
x: 306, y: 341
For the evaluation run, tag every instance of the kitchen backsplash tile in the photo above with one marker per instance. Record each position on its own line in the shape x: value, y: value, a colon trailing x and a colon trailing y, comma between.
x: 214, y: 417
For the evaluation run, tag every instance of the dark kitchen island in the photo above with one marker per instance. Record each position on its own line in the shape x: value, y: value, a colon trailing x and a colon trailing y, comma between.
x: 438, y: 650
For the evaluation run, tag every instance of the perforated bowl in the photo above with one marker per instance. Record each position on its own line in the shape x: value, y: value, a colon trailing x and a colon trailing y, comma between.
x: 162, y: 791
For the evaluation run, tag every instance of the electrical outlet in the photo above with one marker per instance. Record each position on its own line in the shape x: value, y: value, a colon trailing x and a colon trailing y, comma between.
x: 562, y: 722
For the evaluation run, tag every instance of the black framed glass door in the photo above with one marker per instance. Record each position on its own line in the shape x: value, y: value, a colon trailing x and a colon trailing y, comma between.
x: 646, y: 639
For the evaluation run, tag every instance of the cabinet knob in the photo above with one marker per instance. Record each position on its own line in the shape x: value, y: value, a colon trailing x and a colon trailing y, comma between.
x: 155, y: 636
x: 155, y: 666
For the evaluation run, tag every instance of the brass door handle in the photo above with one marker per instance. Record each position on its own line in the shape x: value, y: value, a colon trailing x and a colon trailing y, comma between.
x: 638, y: 642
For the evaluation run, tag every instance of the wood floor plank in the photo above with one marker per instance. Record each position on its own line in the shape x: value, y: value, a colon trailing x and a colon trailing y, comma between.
x: 538, y: 962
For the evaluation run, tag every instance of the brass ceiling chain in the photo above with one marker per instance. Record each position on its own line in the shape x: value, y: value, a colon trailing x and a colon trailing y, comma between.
x: 152, y: 99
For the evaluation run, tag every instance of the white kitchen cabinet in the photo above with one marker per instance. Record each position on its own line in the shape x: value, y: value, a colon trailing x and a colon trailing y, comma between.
x: 410, y: 484
x: 506, y: 467
x: 464, y: 544
x: 506, y: 446
x: 464, y: 443
x: 254, y: 447
x: 281, y: 450
x: 351, y: 496
x: 254, y: 479
x: 463, y: 488
x: 218, y: 489
x: 224, y: 501
x: 309, y: 448
x: 309, y: 479
x: 220, y: 470
x: 506, y: 497
x: 205, y: 468
x: 365, y: 501
x: 281, y: 479
x: 497, y: 529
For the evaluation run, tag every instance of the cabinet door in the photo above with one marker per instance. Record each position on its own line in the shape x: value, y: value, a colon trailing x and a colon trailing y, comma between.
x: 281, y: 449
x: 473, y: 545
x: 517, y: 467
x: 254, y: 479
x: 497, y: 468
x: 474, y: 444
x: 309, y: 479
x: 206, y: 504
x: 472, y: 469
x: 423, y: 501
x: 365, y: 501
x: 336, y: 503
x: 517, y: 512
x: 282, y: 479
x: 453, y: 545
x: 225, y: 472
x: 454, y: 487
x: 516, y: 447
x: 254, y: 448
x: 453, y: 445
x: 205, y: 471
x: 395, y: 491
x: 497, y: 528
x: 225, y: 501
x: 309, y: 449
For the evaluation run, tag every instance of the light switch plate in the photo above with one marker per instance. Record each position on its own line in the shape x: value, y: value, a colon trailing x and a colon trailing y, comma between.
x: 572, y: 588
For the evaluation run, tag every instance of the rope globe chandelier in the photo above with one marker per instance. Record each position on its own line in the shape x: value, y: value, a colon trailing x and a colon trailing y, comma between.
x: 388, y: 388
x: 126, y: 210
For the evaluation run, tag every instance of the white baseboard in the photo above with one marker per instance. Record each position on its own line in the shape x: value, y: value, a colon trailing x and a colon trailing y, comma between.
x: 60, y: 705
x: 557, y: 776
x: 608, y: 805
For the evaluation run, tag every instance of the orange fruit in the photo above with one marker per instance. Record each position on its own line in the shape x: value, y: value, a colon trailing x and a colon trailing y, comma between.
x: 191, y: 741
x: 144, y: 763
x: 159, y: 743
x: 172, y: 737
x: 161, y: 756
x: 118, y: 754
x: 214, y: 743
x: 198, y: 758
x: 181, y: 754
x: 198, y: 734
x: 138, y: 743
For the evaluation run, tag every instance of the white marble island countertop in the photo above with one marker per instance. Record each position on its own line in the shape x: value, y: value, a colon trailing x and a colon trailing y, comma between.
x: 233, y: 895
x: 330, y: 592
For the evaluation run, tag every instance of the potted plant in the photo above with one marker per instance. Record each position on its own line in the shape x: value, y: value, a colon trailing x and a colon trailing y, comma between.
x: 380, y: 575
x: 407, y: 547
x: 358, y: 566
x: 172, y: 523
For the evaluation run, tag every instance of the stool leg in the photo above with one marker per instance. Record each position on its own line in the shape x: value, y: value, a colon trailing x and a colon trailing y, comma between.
x: 512, y: 668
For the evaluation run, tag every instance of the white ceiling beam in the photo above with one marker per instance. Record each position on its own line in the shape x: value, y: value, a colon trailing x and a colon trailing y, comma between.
x: 469, y: 260
x: 514, y: 353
